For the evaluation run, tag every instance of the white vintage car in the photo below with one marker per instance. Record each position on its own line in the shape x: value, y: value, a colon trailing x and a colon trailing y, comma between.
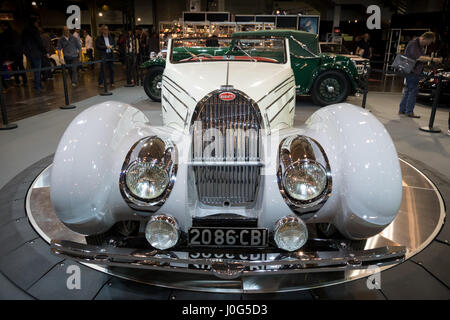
x: 227, y: 173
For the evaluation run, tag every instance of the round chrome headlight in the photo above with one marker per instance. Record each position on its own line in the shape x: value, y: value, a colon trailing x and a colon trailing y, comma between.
x: 162, y: 232
x: 146, y: 180
x: 290, y: 233
x: 305, y: 181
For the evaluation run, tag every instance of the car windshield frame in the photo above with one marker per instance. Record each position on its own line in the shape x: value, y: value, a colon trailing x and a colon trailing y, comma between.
x: 232, y: 40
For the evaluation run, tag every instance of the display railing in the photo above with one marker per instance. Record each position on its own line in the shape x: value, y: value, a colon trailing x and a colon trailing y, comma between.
x: 6, y: 125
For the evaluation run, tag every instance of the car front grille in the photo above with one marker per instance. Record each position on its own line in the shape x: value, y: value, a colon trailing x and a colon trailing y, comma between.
x: 226, y: 147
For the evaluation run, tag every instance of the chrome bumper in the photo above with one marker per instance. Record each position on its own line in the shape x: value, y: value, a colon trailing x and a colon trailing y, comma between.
x: 275, y: 263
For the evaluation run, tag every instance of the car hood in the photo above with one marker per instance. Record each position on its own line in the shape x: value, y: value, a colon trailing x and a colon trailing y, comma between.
x: 253, y: 78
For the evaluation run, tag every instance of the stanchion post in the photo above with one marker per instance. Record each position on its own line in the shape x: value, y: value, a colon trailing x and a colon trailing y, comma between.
x: 437, y: 95
x: 66, y: 93
x: 366, y: 87
x: 6, y: 125
x: 105, y: 83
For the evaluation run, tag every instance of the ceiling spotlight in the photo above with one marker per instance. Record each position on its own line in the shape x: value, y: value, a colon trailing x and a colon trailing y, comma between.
x: 34, y: 4
x: 356, y: 20
x: 100, y: 14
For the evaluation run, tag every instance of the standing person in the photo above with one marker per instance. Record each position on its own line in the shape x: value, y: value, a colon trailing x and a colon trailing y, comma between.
x: 138, y: 44
x: 89, y: 47
x: 34, y: 50
x: 12, y: 47
x: 415, y: 50
x: 364, y: 47
x: 130, y: 57
x: 212, y: 41
x: 144, y: 46
x: 76, y: 34
x: 71, y: 49
x: 105, y: 44
x: 153, y: 43
x: 121, y: 44
x: 48, y: 45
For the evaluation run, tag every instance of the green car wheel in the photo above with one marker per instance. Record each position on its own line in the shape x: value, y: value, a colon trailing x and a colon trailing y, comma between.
x: 153, y: 83
x: 330, y: 87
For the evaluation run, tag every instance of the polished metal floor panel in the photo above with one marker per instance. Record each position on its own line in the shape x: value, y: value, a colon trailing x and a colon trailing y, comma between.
x: 420, y: 218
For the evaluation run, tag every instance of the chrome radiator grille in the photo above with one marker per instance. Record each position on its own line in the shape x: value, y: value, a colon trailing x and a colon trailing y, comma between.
x: 226, y: 149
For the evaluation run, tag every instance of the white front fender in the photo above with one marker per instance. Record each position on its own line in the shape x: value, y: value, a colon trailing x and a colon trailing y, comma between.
x: 367, y: 180
x: 87, y: 165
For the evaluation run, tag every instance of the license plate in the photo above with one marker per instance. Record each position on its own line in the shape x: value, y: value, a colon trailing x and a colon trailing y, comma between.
x: 231, y: 256
x: 228, y: 237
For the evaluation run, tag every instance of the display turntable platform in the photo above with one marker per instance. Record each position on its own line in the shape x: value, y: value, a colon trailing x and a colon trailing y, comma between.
x: 28, y: 223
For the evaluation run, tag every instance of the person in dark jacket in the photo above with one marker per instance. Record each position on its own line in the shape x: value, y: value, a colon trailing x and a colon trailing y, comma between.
x: 71, y: 49
x: 48, y: 45
x: 212, y: 41
x: 154, y: 43
x: 104, y: 44
x: 130, y: 56
x: 34, y: 49
x: 415, y: 50
x: 12, y: 47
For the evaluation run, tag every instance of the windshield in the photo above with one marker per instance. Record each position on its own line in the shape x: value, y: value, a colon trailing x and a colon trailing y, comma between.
x: 334, y: 48
x: 265, y: 50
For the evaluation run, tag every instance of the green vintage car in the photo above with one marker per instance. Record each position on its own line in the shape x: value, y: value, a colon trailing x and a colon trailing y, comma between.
x: 327, y: 78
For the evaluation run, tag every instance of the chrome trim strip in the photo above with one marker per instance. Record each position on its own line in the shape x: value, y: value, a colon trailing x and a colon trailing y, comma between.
x: 290, y: 82
x: 275, y: 88
x: 174, y: 109
x: 279, y: 97
x: 176, y: 97
x: 293, y: 108
x: 187, y: 93
x: 287, y: 262
x: 170, y: 84
x: 279, y: 111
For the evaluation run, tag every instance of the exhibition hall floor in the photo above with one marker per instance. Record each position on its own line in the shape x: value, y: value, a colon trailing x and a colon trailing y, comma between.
x: 424, y: 276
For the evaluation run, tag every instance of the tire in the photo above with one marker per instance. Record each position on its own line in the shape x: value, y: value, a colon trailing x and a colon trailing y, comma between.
x: 152, y: 80
x: 330, y: 87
